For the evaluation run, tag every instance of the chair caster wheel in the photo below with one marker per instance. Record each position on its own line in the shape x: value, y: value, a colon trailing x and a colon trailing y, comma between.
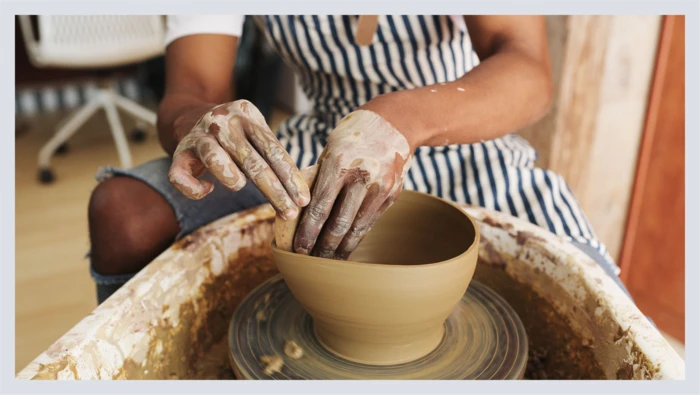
x: 62, y: 149
x: 138, y: 135
x: 46, y: 176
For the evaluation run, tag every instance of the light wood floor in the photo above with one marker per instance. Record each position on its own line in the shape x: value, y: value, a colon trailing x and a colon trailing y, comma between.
x: 53, y: 287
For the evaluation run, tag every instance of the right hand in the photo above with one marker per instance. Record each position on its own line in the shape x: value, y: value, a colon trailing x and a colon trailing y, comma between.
x: 232, y: 141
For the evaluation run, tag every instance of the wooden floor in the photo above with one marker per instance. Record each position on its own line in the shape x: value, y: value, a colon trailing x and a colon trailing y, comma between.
x: 53, y: 287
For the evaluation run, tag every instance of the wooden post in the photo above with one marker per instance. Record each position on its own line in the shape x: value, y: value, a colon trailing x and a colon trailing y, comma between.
x: 602, y: 67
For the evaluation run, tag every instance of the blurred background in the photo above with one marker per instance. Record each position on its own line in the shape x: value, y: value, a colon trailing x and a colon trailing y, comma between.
x: 616, y: 133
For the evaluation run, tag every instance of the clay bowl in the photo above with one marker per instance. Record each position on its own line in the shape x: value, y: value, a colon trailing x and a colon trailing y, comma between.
x: 388, y: 302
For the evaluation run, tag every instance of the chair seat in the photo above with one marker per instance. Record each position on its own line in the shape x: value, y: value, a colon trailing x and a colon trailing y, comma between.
x: 94, y: 41
x: 80, y: 57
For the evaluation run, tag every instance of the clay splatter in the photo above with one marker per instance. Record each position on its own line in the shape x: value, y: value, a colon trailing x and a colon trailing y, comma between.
x: 292, y: 350
x: 272, y: 364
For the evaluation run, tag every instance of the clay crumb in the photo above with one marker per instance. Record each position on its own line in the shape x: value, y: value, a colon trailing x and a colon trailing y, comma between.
x: 621, y: 334
x: 433, y: 90
x: 261, y: 316
x: 292, y: 350
x: 587, y: 343
x: 273, y: 364
x: 460, y: 89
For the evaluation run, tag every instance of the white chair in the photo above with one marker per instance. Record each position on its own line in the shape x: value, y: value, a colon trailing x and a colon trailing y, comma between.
x: 94, y: 42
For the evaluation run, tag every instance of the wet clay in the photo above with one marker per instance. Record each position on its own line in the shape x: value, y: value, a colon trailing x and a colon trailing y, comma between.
x: 273, y: 364
x: 286, y: 228
x: 292, y: 350
x: 388, y: 303
x: 233, y: 142
x: 556, y: 352
x: 361, y: 173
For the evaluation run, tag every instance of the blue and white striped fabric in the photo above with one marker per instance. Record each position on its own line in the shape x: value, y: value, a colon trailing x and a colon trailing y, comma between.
x: 408, y: 52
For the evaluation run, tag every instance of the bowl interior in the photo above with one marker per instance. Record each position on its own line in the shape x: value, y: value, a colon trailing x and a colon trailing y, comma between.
x: 417, y: 229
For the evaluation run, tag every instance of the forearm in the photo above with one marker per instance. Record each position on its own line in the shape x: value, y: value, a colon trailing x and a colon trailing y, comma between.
x: 506, y: 92
x: 198, y: 77
x: 177, y: 114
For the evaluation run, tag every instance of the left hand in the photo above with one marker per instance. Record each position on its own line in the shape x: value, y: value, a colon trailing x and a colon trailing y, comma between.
x: 361, y: 173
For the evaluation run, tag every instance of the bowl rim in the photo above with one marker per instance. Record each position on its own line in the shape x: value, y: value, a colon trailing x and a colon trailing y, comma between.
x: 385, y: 266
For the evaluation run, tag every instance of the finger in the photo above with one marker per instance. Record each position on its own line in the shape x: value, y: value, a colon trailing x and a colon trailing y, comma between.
x: 219, y: 163
x: 183, y: 172
x: 343, y: 215
x: 262, y: 138
x: 260, y: 173
x: 326, y: 189
x: 375, y: 204
x: 255, y: 168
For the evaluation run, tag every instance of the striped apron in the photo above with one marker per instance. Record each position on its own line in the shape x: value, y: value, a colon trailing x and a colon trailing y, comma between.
x: 409, y: 52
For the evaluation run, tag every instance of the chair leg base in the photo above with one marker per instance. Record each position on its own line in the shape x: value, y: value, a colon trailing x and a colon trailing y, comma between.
x: 46, y: 175
x: 62, y: 149
x: 138, y: 135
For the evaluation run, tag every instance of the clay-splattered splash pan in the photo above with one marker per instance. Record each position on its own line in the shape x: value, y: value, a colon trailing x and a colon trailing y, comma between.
x: 484, y: 340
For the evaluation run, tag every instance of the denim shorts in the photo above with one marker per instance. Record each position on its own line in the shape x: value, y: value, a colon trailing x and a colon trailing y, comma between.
x: 193, y: 214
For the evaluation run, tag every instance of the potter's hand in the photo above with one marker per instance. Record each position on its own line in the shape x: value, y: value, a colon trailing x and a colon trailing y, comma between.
x: 232, y: 141
x: 360, y: 175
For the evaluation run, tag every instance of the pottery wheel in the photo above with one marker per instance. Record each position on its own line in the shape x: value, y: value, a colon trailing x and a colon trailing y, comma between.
x: 484, y: 339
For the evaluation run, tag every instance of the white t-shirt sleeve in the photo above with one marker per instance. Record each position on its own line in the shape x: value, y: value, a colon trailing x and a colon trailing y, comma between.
x: 186, y: 25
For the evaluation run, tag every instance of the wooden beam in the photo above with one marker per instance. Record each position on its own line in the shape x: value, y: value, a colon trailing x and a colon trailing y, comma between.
x: 601, y: 68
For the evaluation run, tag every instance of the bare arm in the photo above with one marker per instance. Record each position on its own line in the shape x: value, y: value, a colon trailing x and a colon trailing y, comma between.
x: 509, y: 89
x: 198, y: 76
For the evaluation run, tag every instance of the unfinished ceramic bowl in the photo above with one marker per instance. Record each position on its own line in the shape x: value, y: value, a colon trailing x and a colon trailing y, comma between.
x: 388, y: 303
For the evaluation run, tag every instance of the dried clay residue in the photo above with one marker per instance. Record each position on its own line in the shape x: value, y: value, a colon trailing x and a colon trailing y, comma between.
x: 197, y: 348
x: 51, y: 371
x: 493, y: 223
x: 523, y: 236
x: 638, y: 366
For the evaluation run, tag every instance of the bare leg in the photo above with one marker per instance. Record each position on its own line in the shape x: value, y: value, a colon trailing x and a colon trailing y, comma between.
x: 130, y: 225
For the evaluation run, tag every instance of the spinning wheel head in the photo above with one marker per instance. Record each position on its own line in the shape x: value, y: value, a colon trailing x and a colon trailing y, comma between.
x: 271, y: 337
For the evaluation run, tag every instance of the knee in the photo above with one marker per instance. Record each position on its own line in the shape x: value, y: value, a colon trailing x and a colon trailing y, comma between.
x: 126, y: 225
x: 105, y: 201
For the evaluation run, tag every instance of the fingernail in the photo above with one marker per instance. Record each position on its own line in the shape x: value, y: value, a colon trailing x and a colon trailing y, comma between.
x: 303, y: 251
x: 290, y: 213
x: 304, y: 200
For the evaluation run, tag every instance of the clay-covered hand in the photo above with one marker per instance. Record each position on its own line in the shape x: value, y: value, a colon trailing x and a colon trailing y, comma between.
x: 232, y: 141
x: 361, y: 172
